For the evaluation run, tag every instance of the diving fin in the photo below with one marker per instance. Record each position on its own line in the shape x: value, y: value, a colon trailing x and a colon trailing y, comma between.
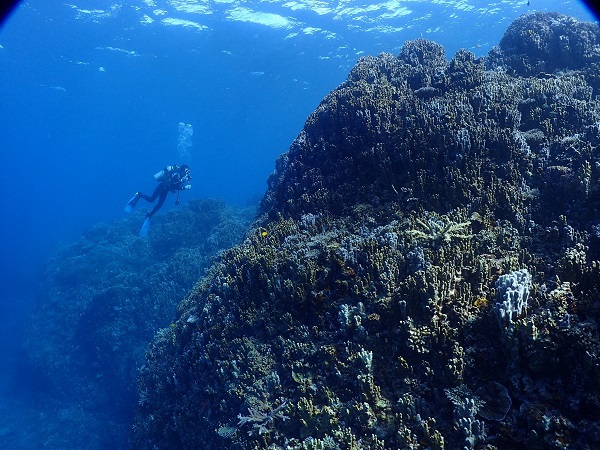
x: 145, y: 227
x: 131, y: 203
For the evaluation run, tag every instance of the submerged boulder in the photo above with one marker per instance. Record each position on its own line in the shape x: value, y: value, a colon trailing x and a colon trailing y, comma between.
x: 361, y: 309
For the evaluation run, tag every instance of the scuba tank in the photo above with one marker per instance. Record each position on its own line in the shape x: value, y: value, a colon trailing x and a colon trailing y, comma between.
x: 163, y: 175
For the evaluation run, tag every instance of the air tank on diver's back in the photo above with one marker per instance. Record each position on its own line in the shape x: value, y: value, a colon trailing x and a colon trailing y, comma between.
x: 161, y: 175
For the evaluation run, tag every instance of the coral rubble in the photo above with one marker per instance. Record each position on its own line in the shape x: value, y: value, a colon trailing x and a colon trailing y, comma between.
x: 424, y: 272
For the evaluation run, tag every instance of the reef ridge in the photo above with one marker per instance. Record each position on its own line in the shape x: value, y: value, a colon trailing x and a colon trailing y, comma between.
x: 424, y: 271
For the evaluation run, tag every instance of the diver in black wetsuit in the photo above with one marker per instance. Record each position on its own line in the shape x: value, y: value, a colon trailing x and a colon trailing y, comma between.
x: 171, y: 179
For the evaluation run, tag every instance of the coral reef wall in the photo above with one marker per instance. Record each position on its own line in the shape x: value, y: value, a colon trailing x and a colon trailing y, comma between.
x: 102, y: 300
x: 425, y: 272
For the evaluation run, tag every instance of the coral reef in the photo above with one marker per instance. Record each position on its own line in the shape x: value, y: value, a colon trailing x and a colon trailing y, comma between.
x: 424, y: 271
x: 104, y: 297
x: 543, y: 43
x: 513, y: 293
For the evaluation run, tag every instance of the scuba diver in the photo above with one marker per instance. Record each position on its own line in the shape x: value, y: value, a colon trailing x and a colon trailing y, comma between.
x: 171, y: 179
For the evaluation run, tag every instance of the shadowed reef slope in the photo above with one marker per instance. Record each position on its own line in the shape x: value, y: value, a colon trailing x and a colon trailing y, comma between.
x: 424, y: 272
x: 102, y: 299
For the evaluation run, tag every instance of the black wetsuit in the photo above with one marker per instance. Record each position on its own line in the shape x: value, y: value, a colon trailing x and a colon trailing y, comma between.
x: 161, y: 191
x: 173, y: 184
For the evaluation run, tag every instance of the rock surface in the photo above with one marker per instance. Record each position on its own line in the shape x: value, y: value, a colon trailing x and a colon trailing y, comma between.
x: 362, y: 309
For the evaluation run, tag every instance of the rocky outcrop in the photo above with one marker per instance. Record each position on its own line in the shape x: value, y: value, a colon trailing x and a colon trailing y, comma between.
x: 548, y: 42
x: 424, y: 272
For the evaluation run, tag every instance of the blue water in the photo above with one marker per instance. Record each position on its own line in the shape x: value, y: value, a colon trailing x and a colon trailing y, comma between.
x: 91, y: 97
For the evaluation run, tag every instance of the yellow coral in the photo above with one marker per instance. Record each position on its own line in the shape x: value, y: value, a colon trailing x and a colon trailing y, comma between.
x: 481, y: 302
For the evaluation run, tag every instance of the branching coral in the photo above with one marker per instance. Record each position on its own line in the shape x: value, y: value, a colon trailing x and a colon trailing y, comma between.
x: 262, y: 422
x: 441, y: 231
